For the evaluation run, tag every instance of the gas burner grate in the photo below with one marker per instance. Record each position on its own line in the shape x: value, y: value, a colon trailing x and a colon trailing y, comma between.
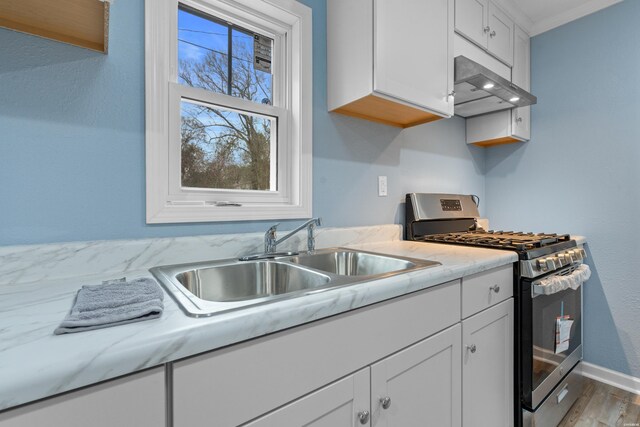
x: 498, y: 239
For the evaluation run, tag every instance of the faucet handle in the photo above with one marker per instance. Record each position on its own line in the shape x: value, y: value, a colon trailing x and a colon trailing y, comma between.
x: 311, y: 238
x: 270, y: 239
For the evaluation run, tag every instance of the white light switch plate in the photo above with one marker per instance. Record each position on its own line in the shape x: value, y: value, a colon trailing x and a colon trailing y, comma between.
x: 382, y: 185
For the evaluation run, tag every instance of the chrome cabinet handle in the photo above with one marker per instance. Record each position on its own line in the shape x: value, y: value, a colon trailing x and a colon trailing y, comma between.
x: 472, y: 348
x: 363, y: 416
x: 492, y: 34
x: 486, y: 29
x: 495, y: 288
x: 452, y: 93
x: 385, y: 402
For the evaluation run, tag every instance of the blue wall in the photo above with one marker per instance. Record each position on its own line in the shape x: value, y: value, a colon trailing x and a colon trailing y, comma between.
x: 72, y: 145
x: 580, y: 172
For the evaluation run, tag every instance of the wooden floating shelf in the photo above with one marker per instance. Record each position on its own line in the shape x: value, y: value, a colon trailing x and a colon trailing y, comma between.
x: 83, y: 23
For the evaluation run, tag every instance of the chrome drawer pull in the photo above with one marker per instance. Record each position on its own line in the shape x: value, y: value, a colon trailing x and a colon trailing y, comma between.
x: 495, y: 288
x: 363, y: 417
x: 385, y: 402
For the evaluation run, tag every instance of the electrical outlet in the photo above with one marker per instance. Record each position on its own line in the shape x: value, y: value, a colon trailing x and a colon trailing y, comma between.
x: 382, y: 186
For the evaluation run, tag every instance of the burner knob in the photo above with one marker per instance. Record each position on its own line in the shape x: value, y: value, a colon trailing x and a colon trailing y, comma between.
x: 541, y: 265
x: 583, y: 253
x: 551, y: 265
x: 572, y: 256
x: 561, y: 260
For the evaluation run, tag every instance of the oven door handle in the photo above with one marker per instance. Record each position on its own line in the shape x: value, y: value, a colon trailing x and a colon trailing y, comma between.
x: 570, y: 278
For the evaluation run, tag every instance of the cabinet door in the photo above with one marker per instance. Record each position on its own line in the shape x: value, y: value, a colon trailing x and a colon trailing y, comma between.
x: 500, y: 42
x: 135, y: 400
x: 340, y: 404
x: 413, y: 52
x: 421, y: 382
x: 522, y: 77
x: 471, y: 20
x: 521, y: 72
x: 487, y: 367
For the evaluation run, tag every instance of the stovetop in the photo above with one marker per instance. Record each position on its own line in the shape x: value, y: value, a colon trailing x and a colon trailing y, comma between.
x: 508, y: 240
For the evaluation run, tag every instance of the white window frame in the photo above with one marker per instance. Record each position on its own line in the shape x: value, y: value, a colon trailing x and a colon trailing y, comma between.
x: 289, y: 24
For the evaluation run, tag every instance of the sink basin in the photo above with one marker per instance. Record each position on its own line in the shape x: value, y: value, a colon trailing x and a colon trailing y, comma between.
x: 248, y: 280
x: 214, y: 287
x: 353, y: 263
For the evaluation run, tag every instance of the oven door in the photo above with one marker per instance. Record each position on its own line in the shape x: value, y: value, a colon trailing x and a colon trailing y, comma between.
x: 551, y: 339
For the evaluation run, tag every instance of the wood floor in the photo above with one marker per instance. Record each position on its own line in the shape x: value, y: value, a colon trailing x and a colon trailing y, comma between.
x: 603, y: 405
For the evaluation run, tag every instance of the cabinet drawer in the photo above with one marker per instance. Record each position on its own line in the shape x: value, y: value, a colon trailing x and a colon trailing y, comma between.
x: 485, y: 289
x: 135, y: 400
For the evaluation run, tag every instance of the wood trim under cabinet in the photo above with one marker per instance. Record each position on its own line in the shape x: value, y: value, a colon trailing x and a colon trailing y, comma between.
x: 83, y: 23
x: 497, y: 141
x: 384, y: 111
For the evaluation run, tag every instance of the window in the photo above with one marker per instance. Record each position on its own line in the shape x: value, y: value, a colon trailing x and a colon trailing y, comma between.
x: 228, y: 101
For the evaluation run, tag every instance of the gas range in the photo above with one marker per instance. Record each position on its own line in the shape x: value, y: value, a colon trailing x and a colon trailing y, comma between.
x: 541, y: 372
x: 539, y: 253
x: 510, y: 240
x: 452, y: 219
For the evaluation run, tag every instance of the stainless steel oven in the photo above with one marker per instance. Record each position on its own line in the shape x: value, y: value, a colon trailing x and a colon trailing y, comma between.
x: 548, y: 300
x: 550, y: 342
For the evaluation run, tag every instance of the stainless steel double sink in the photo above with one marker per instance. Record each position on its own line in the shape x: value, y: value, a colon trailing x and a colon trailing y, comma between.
x: 213, y: 287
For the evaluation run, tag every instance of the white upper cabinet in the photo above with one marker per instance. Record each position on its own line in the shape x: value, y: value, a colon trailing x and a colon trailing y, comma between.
x: 413, y: 51
x: 508, y: 126
x: 521, y: 72
x: 500, y: 34
x: 390, y: 61
x: 521, y: 76
x: 471, y: 20
x: 483, y: 23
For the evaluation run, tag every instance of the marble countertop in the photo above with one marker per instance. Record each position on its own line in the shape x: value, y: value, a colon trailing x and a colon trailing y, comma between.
x: 35, y: 364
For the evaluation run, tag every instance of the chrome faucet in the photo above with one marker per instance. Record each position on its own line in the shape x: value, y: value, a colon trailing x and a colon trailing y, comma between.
x: 271, y: 241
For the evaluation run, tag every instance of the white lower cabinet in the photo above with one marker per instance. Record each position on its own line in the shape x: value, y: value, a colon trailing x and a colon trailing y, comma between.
x: 341, y: 404
x: 487, y: 367
x: 134, y: 401
x: 249, y: 381
x: 419, y: 386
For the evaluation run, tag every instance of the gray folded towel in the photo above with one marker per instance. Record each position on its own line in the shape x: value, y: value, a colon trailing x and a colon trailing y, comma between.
x: 113, y: 303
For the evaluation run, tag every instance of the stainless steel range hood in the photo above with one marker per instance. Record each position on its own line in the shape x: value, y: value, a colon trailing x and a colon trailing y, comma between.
x: 479, y: 90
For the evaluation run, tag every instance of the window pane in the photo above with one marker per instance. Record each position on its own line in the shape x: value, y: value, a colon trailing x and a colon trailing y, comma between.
x: 202, y: 51
x: 226, y: 149
x: 203, y: 57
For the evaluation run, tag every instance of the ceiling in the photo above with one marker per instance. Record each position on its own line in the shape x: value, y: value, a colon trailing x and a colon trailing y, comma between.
x: 538, y: 16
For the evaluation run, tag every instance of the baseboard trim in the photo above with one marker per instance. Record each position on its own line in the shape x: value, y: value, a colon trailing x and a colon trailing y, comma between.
x: 611, y: 377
